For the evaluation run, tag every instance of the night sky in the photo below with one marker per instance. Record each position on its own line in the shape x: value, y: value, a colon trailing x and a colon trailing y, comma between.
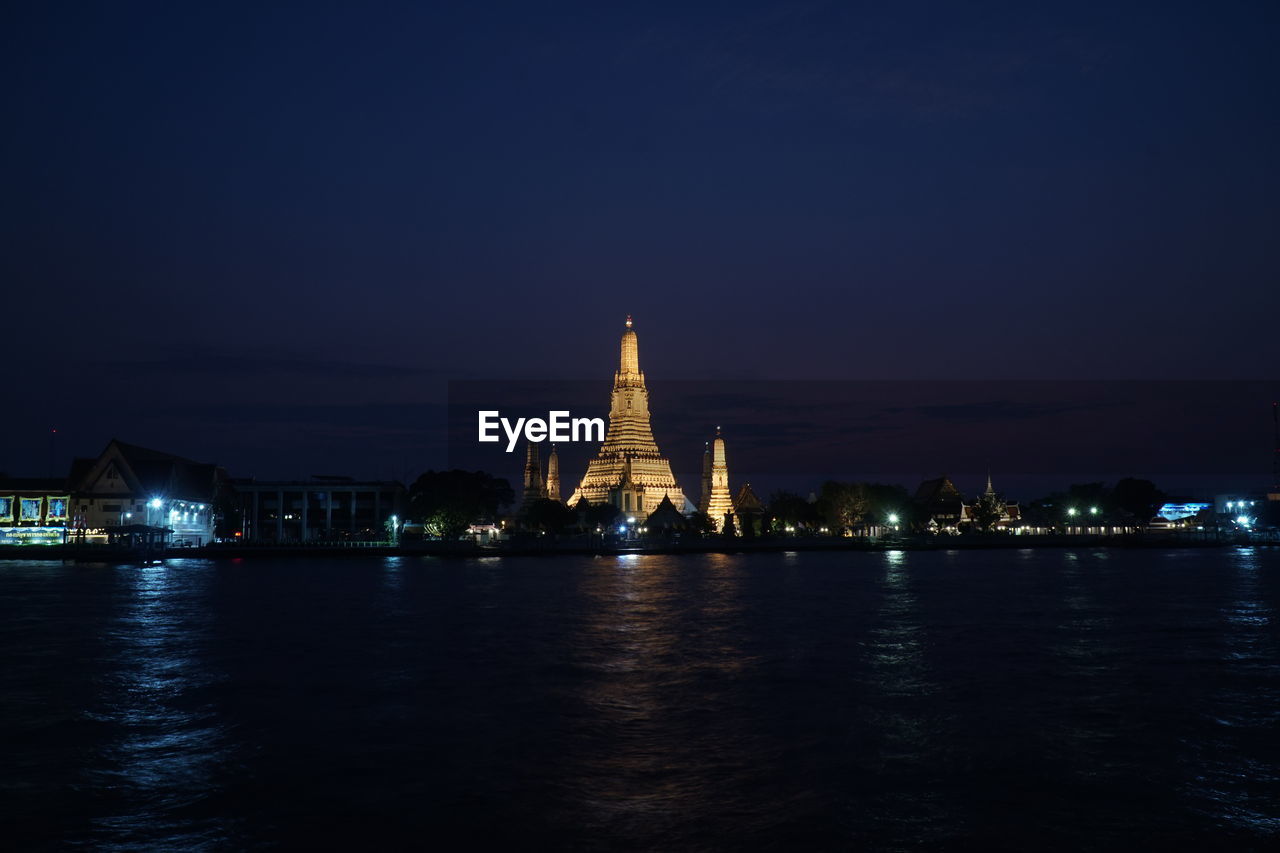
x: 268, y: 235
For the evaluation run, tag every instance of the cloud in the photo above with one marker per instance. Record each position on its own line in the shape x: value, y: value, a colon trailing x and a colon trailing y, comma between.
x: 994, y: 410
x: 219, y: 363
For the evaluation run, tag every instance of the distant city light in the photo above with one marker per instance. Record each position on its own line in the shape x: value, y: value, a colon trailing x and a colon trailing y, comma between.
x: 1093, y: 510
x: 631, y: 519
x: 1243, y: 521
x: 1072, y: 512
x: 893, y: 518
x: 622, y: 528
x: 156, y: 503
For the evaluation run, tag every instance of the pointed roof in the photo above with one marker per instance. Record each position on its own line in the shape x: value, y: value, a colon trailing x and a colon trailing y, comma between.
x: 938, y: 489
x: 746, y: 501
x: 148, y: 472
x: 665, y: 515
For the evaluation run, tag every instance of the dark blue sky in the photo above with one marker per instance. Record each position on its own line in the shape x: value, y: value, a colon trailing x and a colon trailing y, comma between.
x: 248, y: 233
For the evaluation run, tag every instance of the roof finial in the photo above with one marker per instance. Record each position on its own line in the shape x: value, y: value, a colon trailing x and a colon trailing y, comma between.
x: 628, y: 321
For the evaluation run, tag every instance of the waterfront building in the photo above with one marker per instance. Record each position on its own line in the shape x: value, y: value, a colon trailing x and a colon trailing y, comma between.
x: 941, y: 505
x: 322, y: 509
x: 1010, y: 516
x: 716, y: 500
x: 629, y: 468
x: 1248, y: 510
x: 131, y: 485
x: 748, y: 511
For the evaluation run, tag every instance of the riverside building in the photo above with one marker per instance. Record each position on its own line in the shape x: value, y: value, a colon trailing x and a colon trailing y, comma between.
x: 322, y: 509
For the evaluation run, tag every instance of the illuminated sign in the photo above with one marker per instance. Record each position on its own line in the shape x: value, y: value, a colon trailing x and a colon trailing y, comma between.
x: 31, y: 535
x: 1174, y: 512
x: 29, y: 508
x: 6, y: 508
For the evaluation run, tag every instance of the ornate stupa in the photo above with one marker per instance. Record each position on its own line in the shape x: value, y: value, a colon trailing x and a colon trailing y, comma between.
x: 716, y: 498
x: 629, y: 471
x: 553, y: 475
x: 534, y: 486
x: 705, y: 499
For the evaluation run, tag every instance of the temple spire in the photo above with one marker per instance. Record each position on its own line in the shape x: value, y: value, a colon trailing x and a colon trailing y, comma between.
x: 704, y: 500
x: 629, y: 449
x: 629, y: 367
x: 718, y: 500
x: 553, y: 475
x: 534, y: 486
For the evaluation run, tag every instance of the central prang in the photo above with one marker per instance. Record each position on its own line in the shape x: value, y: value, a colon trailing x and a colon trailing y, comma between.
x: 629, y: 471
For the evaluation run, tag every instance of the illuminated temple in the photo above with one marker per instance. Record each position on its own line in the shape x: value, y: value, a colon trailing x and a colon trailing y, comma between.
x: 629, y: 471
x: 716, y: 501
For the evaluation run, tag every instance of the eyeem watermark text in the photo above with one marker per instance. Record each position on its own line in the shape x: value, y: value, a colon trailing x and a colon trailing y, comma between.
x: 558, y: 427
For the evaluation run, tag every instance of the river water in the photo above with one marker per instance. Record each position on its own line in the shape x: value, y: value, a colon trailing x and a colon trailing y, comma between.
x: 995, y: 700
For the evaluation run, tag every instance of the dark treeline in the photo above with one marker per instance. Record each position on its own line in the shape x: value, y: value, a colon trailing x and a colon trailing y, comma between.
x: 446, y: 503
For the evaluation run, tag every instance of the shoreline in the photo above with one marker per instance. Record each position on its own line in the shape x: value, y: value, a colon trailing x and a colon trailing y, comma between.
x: 555, y: 549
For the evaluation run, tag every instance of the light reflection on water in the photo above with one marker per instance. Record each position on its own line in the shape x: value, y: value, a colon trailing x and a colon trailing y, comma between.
x: 656, y: 635
x: 1236, y: 771
x: 788, y: 701
x: 167, y: 741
